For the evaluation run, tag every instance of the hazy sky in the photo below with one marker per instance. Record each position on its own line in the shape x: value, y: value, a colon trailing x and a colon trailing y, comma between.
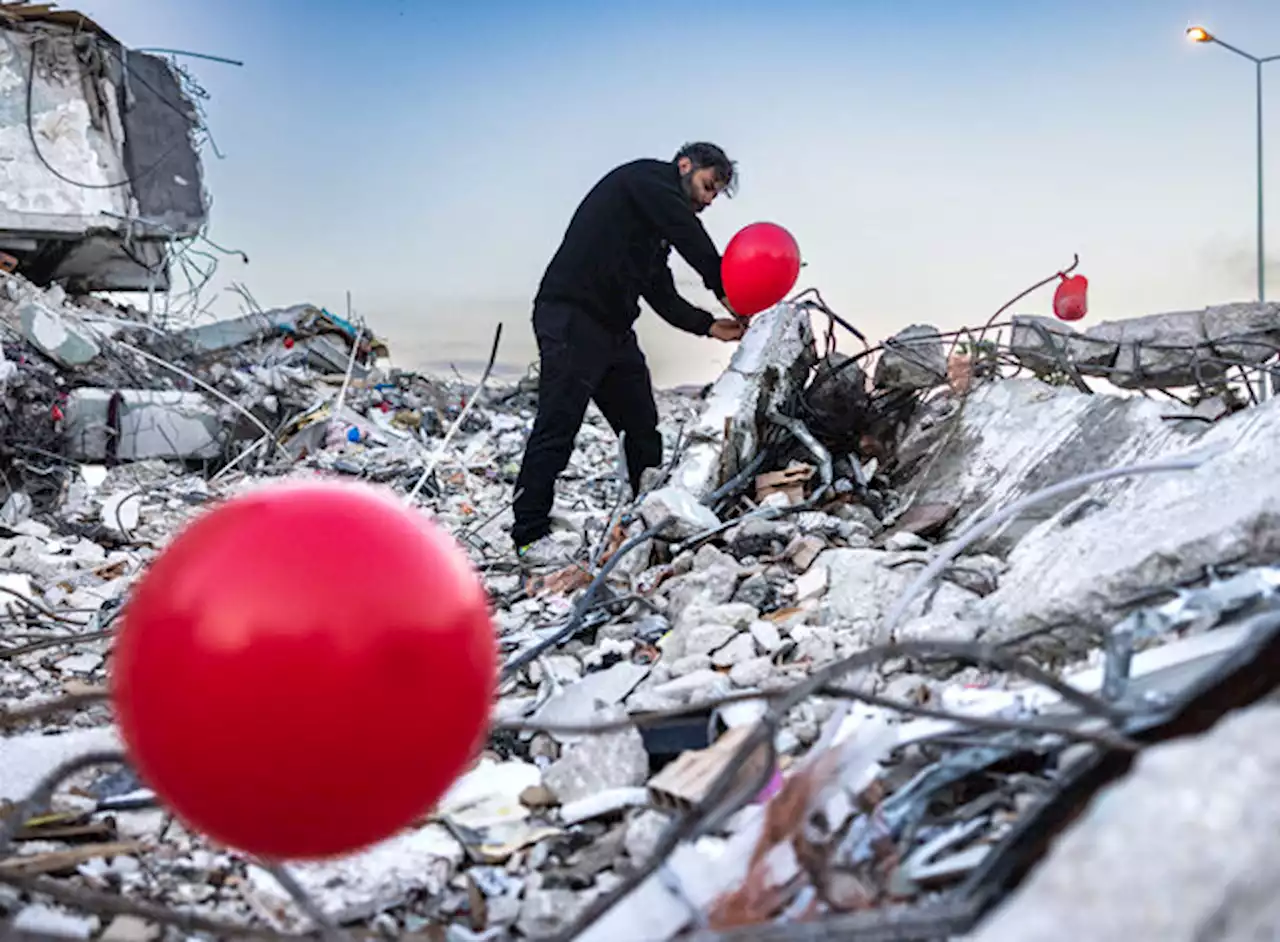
x: 932, y: 157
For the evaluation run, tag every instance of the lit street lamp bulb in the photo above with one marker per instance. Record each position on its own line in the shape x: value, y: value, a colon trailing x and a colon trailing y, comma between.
x: 1198, y: 34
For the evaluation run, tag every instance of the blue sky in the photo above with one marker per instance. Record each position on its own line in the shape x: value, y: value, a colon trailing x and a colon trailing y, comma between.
x: 932, y: 157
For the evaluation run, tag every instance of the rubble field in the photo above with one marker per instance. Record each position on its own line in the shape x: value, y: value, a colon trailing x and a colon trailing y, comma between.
x: 964, y: 635
x: 932, y: 641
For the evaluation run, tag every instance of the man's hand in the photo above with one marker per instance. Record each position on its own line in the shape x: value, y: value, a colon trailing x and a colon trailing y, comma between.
x: 727, y: 329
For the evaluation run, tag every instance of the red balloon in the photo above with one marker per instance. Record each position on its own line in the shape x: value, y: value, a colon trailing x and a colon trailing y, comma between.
x: 760, y: 265
x: 1071, y: 299
x: 305, y: 670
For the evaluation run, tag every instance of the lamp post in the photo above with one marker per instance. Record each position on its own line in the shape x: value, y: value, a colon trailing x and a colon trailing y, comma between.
x: 1198, y: 34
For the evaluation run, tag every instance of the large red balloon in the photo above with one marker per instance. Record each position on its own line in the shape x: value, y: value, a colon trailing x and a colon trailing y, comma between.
x: 305, y: 669
x: 760, y: 265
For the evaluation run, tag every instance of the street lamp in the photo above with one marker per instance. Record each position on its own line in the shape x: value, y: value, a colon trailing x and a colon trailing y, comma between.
x: 1198, y: 34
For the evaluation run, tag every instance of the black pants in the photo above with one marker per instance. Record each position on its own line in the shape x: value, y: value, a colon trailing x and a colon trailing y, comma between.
x: 581, y: 362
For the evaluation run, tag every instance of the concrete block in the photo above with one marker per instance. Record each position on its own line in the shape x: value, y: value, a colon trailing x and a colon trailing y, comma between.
x: 148, y: 424
x: 57, y: 336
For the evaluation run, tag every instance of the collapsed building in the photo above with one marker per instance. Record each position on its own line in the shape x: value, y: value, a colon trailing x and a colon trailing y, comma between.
x: 100, y: 171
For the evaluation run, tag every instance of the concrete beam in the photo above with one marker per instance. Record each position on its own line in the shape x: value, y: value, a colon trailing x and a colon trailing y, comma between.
x: 771, y: 363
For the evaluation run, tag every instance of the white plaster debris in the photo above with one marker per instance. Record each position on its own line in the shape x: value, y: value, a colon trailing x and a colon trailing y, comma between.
x: 364, y: 884
x: 28, y: 758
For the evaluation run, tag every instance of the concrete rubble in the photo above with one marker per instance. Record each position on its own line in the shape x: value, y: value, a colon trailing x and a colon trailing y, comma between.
x: 115, y: 433
x: 1060, y: 723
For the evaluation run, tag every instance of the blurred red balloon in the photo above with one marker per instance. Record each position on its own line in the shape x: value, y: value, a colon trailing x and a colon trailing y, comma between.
x: 1071, y: 299
x: 305, y: 669
x: 760, y: 265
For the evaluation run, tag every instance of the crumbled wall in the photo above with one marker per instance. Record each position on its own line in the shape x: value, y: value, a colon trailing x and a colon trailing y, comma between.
x: 83, y: 141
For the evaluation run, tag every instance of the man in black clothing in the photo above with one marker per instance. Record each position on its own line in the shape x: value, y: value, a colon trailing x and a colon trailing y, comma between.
x: 614, y: 253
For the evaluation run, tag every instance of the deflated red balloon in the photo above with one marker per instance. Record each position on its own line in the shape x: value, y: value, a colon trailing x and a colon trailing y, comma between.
x: 760, y: 265
x: 305, y: 669
x: 1071, y: 299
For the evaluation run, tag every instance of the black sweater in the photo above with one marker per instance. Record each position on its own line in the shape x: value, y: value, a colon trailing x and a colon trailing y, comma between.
x: 615, y: 250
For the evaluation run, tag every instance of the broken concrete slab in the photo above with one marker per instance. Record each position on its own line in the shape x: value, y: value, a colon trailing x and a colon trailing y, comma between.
x: 1160, y: 350
x: 137, y: 424
x: 1082, y: 566
x: 305, y: 321
x: 1180, y: 348
x: 579, y: 702
x: 1248, y: 331
x: 1171, y: 852
x: 57, y: 336
x: 772, y: 361
x: 250, y: 328
x: 864, y: 583
x: 1019, y: 435
x: 1045, y: 345
x: 126, y: 141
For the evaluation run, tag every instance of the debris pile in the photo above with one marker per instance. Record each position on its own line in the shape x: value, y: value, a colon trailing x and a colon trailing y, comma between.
x: 880, y: 627
x: 894, y: 645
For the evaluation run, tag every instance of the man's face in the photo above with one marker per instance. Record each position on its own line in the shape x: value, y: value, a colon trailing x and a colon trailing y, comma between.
x: 701, y: 186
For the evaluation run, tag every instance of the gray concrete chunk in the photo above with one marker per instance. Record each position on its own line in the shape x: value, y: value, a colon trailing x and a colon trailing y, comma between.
x: 913, y: 358
x: 690, y: 517
x: 57, y: 336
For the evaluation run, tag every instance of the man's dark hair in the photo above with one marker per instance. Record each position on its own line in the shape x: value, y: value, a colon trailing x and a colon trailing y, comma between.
x: 701, y: 154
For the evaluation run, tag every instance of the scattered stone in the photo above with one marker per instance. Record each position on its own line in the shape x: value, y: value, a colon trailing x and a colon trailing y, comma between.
x: 759, y: 536
x: 756, y: 591
x: 545, y: 912
x: 803, y: 550
x: 42, y: 919
x: 766, y: 635
x: 130, y: 929
x: 811, y: 584
x: 905, y: 541
x: 595, y: 764
x: 759, y: 606
x: 861, y: 516
x: 689, y: 663
x: 814, y: 644
x: 707, y: 638
x: 754, y: 672
x: 913, y: 358
x: 741, y: 648
x: 695, y: 687
x: 643, y: 833
x: 690, y: 517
